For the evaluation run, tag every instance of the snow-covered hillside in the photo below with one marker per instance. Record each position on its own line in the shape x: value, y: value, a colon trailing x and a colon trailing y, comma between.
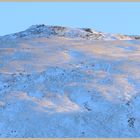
x: 42, y: 30
x: 64, y: 82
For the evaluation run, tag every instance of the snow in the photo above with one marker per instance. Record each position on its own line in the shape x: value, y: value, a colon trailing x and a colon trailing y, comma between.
x: 47, y: 31
x: 60, y: 86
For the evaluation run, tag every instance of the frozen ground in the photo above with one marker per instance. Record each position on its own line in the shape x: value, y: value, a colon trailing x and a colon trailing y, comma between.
x: 61, y: 87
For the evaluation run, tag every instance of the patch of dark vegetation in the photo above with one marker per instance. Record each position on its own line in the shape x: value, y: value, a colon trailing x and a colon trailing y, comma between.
x: 137, y: 37
x: 88, y: 30
x: 13, y: 131
x: 128, y: 103
x: 83, y: 133
x: 131, y: 122
x: 41, y: 25
x: 58, y: 27
x: 86, y: 106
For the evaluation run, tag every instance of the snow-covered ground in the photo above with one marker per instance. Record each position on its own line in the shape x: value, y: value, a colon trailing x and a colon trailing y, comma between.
x: 47, y: 31
x: 67, y: 87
